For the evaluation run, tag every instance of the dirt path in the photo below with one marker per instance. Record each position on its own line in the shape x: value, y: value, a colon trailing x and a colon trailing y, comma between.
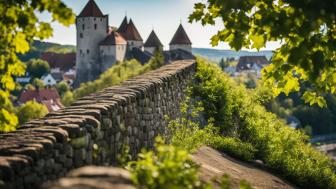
x: 215, y: 164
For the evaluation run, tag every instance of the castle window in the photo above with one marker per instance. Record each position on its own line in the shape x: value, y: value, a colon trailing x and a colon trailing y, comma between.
x: 87, y: 51
x: 95, y: 26
x: 81, y: 35
x: 83, y: 26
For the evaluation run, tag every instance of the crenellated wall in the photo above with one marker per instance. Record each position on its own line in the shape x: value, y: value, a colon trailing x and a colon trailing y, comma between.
x: 94, y: 129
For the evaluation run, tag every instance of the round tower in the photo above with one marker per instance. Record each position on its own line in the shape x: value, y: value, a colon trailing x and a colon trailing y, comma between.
x: 92, y: 28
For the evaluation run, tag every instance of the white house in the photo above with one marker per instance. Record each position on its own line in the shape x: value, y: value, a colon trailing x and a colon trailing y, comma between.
x: 49, y: 80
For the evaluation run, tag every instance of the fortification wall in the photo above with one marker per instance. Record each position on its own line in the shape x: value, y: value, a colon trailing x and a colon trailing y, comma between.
x: 93, y: 130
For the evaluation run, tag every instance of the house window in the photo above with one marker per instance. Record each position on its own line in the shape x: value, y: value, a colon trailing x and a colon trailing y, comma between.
x: 95, y: 26
x: 87, y: 51
x: 81, y: 35
x: 83, y: 26
x: 80, y: 51
x: 101, y: 19
x: 94, y: 19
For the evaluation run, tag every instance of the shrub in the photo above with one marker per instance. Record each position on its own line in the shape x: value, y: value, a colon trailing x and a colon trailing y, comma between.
x: 234, y: 147
x: 67, y: 98
x: 185, y: 132
x: 30, y: 110
x: 165, y: 168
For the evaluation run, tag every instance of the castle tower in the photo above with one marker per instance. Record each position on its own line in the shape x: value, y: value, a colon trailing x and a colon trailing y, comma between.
x: 123, y: 26
x: 133, y: 37
x: 112, y: 49
x: 153, y: 43
x: 92, y: 28
x: 180, y: 40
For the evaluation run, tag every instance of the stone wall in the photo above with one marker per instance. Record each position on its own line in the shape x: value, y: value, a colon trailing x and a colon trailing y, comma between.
x: 94, y: 178
x: 94, y: 129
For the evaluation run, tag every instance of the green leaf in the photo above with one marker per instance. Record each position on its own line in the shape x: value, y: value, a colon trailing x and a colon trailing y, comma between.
x: 258, y: 41
x: 20, y: 43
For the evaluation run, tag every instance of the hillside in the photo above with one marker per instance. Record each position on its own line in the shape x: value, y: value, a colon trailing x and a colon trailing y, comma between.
x: 38, y: 47
x: 216, y: 54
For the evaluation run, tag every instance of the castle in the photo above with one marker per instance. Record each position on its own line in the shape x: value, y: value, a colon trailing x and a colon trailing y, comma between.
x: 100, y: 46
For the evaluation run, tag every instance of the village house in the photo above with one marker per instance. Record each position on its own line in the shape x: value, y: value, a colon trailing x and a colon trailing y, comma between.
x: 251, y: 64
x: 49, y: 97
x: 48, y: 80
x: 62, y: 66
x: 23, y: 80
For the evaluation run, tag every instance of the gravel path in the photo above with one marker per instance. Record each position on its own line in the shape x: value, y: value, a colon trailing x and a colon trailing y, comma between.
x: 214, y: 164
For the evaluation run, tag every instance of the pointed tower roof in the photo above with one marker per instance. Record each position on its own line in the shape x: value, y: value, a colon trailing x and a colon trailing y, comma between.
x: 123, y: 26
x: 180, y: 37
x: 132, y: 32
x: 91, y: 9
x: 153, y: 40
x: 114, y: 38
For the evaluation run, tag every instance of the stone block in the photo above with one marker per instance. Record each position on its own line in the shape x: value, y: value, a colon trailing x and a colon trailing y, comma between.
x: 81, y: 142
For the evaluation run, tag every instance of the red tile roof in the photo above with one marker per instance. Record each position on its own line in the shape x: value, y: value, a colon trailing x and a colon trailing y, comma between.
x: 39, y: 95
x: 180, y: 37
x: 52, y: 105
x: 91, y: 9
x: 132, y: 32
x: 114, y: 38
x: 153, y: 41
x: 62, y: 61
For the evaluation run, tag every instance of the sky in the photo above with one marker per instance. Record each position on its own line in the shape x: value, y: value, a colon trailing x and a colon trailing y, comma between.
x: 163, y: 16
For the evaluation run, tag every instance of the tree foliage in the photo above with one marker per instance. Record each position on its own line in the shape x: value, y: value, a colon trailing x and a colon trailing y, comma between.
x: 38, y: 83
x: 157, y: 60
x: 19, y: 25
x: 306, y: 29
x: 223, y: 63
x: 113, y: 76
x: 37, y: 68
x: 31, y: 110
x: 62, y: 88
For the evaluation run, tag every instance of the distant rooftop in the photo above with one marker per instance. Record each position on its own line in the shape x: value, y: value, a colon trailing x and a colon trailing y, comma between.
x: 246, y: 62
x: 180, y: 37
x: 153, y: 41
x: 132, y: 32
x: 91, y: 9
x: 114, y: 38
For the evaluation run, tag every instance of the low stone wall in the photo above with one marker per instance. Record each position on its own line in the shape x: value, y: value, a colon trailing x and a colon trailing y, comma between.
x: 94, y: 178
x: 94, y: 129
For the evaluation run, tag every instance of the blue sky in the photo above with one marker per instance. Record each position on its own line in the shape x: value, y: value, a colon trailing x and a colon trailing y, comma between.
x: 162, y: 15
